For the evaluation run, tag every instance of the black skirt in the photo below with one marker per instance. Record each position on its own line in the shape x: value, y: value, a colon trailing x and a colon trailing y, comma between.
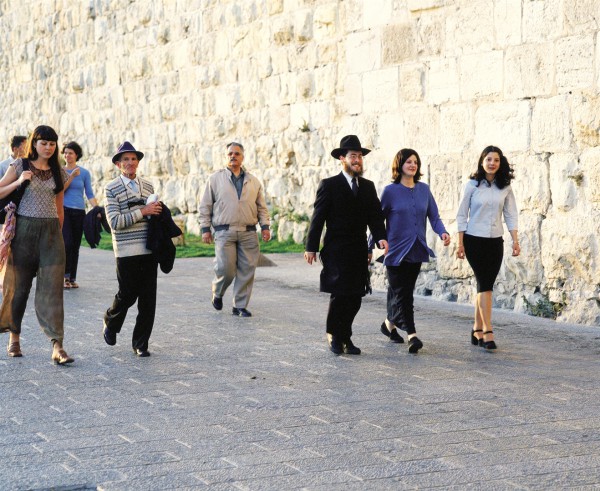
x: 485, y: 257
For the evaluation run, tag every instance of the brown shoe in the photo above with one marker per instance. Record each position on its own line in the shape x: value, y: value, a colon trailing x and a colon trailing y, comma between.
x: 14, y: 349
x: 60, y: 357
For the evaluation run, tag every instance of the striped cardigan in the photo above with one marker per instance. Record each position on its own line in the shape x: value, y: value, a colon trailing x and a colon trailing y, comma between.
x: 129, y: 228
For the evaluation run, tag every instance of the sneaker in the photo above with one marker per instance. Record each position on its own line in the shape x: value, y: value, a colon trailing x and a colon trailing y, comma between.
x: 241, y: 312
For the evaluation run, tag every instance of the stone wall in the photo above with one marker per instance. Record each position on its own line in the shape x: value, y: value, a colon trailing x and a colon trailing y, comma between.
x: 288, y: 78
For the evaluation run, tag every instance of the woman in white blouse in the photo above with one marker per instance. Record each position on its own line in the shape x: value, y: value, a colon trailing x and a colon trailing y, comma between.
x: 486, y: 198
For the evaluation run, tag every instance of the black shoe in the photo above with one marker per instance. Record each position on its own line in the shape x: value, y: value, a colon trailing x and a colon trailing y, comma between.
x: 142, y: 353
x: 241, y: 312
x: 414, y: 345
x: 350, y: 349
x: 474, y: 340
x: 393, y: 335
x: 217, y: 302
x: 488, y: 345
x: 109, y: 337
x: 336, y: 347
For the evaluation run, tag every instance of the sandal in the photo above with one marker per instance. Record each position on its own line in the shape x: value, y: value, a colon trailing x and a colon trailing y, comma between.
x: 14, y: 349
x: 67, y: 284
x: 74, y: 284
x: 60, y: 357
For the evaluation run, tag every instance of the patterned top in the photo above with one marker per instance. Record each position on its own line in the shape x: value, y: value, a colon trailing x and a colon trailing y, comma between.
x: 124, y: 212
x: 39, y: 200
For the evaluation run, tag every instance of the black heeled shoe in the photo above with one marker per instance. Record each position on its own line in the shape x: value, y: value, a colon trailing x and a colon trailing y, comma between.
x: 475, y: 341
x: 488, y: 345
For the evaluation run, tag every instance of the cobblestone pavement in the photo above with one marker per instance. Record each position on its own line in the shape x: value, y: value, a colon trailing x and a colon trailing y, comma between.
x: 227, y: 403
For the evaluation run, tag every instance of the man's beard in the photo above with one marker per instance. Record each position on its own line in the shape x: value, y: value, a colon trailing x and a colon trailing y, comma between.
x: 349, y: 170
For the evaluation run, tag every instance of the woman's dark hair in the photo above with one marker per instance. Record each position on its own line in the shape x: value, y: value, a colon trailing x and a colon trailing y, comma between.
x: 504, y: 175
x: 400, y: 159
x: 48, y: 134
x: 75, y: 147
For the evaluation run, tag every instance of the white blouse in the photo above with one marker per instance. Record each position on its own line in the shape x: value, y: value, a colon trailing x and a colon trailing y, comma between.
x: 481, y: 209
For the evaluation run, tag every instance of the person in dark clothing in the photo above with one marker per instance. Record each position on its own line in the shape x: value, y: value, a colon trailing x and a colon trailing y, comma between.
x: 346, y: 204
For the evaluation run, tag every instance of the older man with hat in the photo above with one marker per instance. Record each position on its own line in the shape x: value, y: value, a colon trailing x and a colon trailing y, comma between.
x: 128, y: 213
x: 346, y: 204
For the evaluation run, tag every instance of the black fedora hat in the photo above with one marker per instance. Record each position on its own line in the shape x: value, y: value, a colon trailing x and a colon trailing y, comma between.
x: 349, y: 142
x: 126, y: 147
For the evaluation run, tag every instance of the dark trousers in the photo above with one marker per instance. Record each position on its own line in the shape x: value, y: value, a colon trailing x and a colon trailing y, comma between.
x: 341, y: 314
x: 137, y: 281
x: 72, y: 232
x: 400, y: 296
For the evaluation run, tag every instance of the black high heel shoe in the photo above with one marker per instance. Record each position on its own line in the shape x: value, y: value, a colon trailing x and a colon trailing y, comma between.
x: 475, y: 341
x: 489, y: 345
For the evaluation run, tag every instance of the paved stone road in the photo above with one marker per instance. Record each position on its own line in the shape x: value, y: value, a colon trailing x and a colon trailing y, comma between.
x: 226, y: 404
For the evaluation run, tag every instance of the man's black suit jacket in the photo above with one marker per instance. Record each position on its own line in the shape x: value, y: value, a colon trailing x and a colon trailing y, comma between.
x: 344, y: 254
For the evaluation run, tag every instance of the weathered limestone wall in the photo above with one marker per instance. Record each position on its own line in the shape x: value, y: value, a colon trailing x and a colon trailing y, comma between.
x: 288, y: 78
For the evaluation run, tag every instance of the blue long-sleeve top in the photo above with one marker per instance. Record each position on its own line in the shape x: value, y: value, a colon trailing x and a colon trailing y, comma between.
x: 406, y: 211
x: 74, y: 194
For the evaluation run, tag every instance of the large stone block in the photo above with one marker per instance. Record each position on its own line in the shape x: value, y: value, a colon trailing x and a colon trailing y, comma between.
x: 585, y: 114
x: 363, y: 51
x: 303, y: 25
x: 580, y: 16
x: 481, y: 74
x: 531, y: 184
x: 575, y: 62
x: 564, y: 181
x: 529, y: 70
x: 421, y: 128
x: 456, y: 127
x: 466, y: 31
x: 442, y: 81
x: 377, y: 13
x: 412, y: 82
x: 325, y: 21
x: 551, y: 125
x: 430, y: 34
x: 507, y: 23
x: 352, y: 100
x: 380, y: 90
x: 390, y: 134
x: 543, y: 20
x: 398, y: 43
x: 587, y: 177
x: 503, y: 124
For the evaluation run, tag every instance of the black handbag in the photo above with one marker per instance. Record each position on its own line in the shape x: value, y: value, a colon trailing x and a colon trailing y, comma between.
x: 15, y: 196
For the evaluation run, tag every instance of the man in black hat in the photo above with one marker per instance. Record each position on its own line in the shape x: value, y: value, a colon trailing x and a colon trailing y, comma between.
x: 127, y: 213
x: 346, y: 204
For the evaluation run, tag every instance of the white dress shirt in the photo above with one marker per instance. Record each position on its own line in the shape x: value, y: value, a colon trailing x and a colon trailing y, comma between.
x: 481, y: 209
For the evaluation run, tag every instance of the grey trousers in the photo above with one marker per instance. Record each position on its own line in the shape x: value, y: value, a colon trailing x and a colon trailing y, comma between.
x: 36, y: 250
x: 236, y: 258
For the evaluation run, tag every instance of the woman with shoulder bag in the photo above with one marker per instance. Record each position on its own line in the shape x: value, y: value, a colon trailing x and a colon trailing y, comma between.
x: 37, y: 248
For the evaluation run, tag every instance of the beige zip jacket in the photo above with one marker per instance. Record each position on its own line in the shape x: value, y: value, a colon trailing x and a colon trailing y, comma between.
x: 221, y: 207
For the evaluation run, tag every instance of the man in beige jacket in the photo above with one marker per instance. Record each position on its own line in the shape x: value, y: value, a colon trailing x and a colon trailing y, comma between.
x: 232, y: 205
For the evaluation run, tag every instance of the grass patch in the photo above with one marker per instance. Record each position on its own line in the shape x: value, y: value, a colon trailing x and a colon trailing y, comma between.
x: 194, y: 247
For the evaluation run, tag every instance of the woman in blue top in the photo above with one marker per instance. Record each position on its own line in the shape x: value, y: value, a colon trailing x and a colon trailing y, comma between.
x: 407, y: 204
x: 79, y: 181
x: 486, y: 197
